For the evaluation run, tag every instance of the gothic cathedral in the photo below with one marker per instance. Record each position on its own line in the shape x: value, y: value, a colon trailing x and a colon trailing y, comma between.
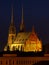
x: 22, y: 41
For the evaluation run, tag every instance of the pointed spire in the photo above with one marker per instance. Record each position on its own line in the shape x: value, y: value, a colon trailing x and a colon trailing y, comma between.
x: 12, y: 27
x: 22, y: 14
x: 22, y: 22
x: 33, y: 30
x: 12, y: 16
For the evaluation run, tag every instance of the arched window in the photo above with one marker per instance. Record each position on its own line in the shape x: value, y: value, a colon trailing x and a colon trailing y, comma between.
x: 18, y: 47
x: 22, y: 48
x: 13, y: 48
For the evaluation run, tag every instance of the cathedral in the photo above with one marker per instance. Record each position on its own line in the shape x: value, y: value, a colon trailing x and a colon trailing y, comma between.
x: 22, y: 41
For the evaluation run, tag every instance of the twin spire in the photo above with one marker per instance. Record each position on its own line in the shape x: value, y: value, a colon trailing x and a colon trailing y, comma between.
x: 12, y: 27
x: 22, y: 28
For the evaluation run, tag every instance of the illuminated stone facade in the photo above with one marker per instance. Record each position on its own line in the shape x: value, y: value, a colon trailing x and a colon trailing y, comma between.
x: 22, y: 41
x: 33, y: 43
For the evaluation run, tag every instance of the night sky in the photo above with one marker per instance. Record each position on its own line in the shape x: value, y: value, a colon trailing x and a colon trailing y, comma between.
x: 35, y: 13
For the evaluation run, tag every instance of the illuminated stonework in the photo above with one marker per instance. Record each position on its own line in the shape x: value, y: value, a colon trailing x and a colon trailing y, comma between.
x: 33, y: 43
x: 23, y: 41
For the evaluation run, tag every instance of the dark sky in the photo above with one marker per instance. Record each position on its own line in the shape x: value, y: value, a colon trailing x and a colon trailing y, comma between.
x: 35, y: 13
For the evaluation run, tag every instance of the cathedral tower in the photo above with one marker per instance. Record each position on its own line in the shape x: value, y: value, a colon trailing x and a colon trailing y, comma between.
x: 22, y: 28
x: 12, y: 31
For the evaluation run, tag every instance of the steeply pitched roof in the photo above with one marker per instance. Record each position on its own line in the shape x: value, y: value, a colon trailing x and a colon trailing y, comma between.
x: 22, y: 37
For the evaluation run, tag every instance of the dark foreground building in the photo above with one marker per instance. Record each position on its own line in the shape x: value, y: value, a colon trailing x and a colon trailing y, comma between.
x: 22, y: 58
